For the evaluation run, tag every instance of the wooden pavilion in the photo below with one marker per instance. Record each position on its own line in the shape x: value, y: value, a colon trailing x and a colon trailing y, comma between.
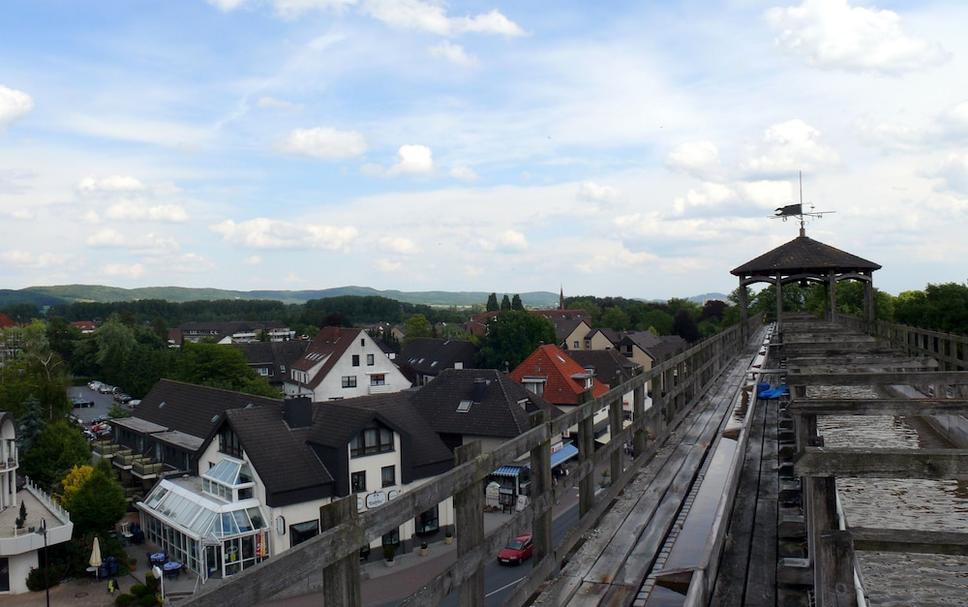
x: 804, y: 260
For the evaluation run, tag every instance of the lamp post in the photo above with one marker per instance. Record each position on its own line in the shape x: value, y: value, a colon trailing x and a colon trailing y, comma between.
x: 43, y: 531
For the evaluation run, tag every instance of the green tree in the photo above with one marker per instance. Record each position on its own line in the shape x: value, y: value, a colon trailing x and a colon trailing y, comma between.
x: 505, y: 303
x: 516, y: 303
x: 99, y: 503
x: 417, y: 326
x: 62, y: 337
x: 59, y: 447
x: 492, y: 303
x: 615, y: 318
x: 219, y: 367
x: 658, y: 320
x: 30, y: 423
x: 511, y: 337
x: 685, y: 326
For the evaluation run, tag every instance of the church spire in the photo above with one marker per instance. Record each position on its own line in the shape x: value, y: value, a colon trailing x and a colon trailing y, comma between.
x: 561, y: 298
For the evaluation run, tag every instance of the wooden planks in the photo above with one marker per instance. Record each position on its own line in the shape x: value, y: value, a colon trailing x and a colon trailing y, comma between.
x: 884, y: 463
x: 910, y: 540
x: 761, y: 576
x: 914, y: 378
x: 879, y: 406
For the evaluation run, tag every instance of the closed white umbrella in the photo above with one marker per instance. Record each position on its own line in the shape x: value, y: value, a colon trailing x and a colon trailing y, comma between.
x: 96, y: 555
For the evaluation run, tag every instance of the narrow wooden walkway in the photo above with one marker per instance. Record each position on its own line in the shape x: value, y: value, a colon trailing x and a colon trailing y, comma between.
x: 617, y: 556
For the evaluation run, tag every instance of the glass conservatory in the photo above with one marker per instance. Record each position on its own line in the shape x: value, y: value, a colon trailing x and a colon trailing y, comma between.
x: 213, y: 525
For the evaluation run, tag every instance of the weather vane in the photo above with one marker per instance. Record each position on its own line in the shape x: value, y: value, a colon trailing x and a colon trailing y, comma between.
x: 796, y: 210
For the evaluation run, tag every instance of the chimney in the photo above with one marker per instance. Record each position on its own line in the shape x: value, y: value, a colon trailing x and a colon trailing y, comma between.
x: 297, y: 411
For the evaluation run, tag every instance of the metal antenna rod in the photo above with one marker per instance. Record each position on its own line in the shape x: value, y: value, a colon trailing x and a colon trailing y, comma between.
x: 803, y: 231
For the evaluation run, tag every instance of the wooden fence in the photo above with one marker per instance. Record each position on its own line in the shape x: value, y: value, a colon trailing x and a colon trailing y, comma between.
x: 950, y: 350
x: 330, y: 561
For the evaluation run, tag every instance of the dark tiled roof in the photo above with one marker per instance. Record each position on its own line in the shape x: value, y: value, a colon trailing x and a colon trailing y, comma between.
x: 330, y: 342
x: 659, y: 347
x: 565, y: 326
x: 610, y: 366
x: 803, y: 253
x: 281, y: 458
x: 643, y: 339
x: 192, y: 409
x: 279, y: 355
x: 610, y: 334
x: 429, y: 356
x: 495, y: 410
x: 231, y: 326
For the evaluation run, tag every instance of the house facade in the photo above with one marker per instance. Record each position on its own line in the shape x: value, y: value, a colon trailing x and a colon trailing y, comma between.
x: 343, y: 363
x: 231, y: 332
x: 22, y: 540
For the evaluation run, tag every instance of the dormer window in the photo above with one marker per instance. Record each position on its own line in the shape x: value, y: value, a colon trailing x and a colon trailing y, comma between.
x: 230, y: 480
x: 464, y: 406
x: 228, y: 443
x: 535, y: 385
x: 372, y: 440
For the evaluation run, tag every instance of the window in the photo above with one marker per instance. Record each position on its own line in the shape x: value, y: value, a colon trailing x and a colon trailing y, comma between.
x: 576, y: 344
x: 370, y: 360
x: 358, y: 481
x: 427, y: 522
x: 4, y: 575
x: 300, y: 532
x: 372, y: 441
x: 349, y: 381
x: 588, y: 344
x: 392, y: 538
x: 388, y: 474
x: 362, y: 342
x: 378, y: 379
x: 535, y: 387
x: 263, y: 372
x: 464, y: 406
x: 228, y: 443
x: 356, y: 360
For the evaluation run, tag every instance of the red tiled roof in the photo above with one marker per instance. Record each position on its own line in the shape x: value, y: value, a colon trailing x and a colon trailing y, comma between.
x: 5, y: 321
x: 84, y: 325
x: 331, y: 342
x: 552, y: 363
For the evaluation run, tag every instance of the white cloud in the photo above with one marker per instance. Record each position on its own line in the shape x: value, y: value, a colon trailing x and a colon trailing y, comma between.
x: 14, y: 104
x: 787, y: 147
x: 767, y: 193
x: 454, y: 53
x: 263, y: 233
x: 953, y: 174
x: 707, y: 195
x: 17, y: 213
x: 398, y: 244
x: 189, y: 263
x: 387, y: 265
x: 26, y: 259
x: 834, y: 34
x: 253, y: 260
x: 272, y: 103
x: 413, y: 160
x: 137, y: 210
x: 593, y: 192
x: 290, y: 9
x: 123, y: 270
x: 697, y: 158
x: 109, y: 185
x: 464, y: 173
x: 433, y: 18
x: 226, y: 5
x: 149, y: 244
x: 107, y: 237
x: 325, y: 143
x: 513, y: 240
x: 91, y: 217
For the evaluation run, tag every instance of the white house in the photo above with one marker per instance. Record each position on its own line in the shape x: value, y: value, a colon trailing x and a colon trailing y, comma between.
x: 343, y: 363
x: 19, y: 544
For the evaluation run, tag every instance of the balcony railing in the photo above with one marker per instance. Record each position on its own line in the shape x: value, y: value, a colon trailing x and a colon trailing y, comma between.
x: 381, y: 389
x: 145, y: 467
x: 7, y: 464
x: 106, y: 449
x: 124, y: 458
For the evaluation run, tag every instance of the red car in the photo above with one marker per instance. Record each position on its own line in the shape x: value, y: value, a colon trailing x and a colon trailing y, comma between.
x: 517, y: 550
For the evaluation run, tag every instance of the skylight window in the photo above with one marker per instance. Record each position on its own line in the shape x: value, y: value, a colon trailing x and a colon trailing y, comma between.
x: 464, y: 406
x: 560, y: 358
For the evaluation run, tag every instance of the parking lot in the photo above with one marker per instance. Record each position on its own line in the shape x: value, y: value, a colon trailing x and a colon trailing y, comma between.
x: 102, y: 403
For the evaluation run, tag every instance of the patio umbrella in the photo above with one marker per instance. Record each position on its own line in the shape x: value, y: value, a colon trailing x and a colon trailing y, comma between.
x: 96, y: 556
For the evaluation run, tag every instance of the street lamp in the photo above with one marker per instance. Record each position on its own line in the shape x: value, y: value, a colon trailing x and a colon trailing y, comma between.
x: 43, y: 531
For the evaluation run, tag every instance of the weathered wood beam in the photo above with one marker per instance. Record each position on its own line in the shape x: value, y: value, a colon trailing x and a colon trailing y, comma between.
x: 878, y: 406
x: 835, y: 564
x: 910, y: 540
x: 883, y: 463
x: 914, y: 378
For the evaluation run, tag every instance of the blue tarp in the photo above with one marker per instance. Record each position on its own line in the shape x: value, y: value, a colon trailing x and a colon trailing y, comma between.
x: 507, y: 471
x: 765, y: 391
x: 564, y: 454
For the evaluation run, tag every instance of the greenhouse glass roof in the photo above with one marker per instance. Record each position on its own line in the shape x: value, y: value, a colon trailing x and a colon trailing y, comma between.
x: 177, y: 503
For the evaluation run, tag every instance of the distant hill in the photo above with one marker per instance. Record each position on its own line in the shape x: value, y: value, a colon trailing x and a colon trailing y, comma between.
x: 701, y: 299
x: 50, y: 295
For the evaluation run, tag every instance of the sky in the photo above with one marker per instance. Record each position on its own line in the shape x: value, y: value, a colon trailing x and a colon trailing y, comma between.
x: 629, y: 149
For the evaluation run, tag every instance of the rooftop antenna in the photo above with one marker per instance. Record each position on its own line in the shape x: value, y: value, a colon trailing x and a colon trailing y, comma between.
x: 796, y: 210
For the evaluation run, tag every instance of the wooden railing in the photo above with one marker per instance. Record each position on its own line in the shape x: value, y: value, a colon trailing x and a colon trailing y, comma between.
x: 949, y: 349
x: 331, y: 559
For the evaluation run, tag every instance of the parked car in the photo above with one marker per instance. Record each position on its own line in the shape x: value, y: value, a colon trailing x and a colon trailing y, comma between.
x: 121, y: 397
x: 81, y: 401
x: 131, y: 404
x: 94, y: 385
x: 518, y: 550
x: 105, y: 389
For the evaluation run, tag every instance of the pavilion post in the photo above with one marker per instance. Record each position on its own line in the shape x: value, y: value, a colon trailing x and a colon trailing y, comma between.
x: 869, y: 304
x: 831, y: 296
x: 779, y: 305
x: 743, y: 311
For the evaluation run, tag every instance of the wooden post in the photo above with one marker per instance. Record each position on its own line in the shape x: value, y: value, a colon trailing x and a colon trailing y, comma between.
x: 341, y: 580
x: 614, y: 428
x: 779, y: 305
x: 469, y: 511
x: 586, y: 453
x: 743, y: 311
x: 831, y: 296
x: 541, y: 485
x: 869, y: 313
x: 638, y: 412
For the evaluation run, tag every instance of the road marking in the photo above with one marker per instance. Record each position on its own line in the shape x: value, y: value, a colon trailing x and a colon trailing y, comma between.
x: 504, y: 587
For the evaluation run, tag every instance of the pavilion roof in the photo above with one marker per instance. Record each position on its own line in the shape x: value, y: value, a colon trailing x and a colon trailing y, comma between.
x: 803, y: 254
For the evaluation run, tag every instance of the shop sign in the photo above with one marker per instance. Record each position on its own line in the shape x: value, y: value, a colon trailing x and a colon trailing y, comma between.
x: 377, y: 498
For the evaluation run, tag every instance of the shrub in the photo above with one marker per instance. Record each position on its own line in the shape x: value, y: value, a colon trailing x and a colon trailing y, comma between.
x: 35, y: 578
x: 389, y: 551
x: 124, y: 600
x: 152, y: 583
x: 148, y: 600
x: 139, y: 590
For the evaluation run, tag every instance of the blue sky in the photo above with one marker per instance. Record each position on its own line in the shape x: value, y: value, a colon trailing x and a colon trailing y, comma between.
x: 628, y: 148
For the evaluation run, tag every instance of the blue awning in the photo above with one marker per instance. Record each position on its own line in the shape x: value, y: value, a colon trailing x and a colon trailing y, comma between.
x: 564, y: 454
x: 507, y: 471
